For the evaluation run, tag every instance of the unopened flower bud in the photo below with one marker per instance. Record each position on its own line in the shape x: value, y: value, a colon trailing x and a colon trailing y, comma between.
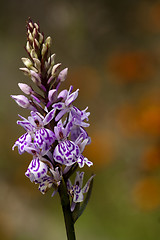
x: 25, y: 71
x: 34, y: 32
x: 33, y: 54
x: 44, y: 49
x: 63, y: 94
x: 52, y: 95
x: 63, y: 75
x: 25, y: 88
x: 55, y: 67
x: 28, y: 47
x: 36, y: 44
x: 48, y: 41
x: 41, y: 38
x: 46, y: 65
x: 36, y: 26
x: 35, y: 78
x: 34, y: 69
x: 37, y: 64
x: 27, y: 62
x: 21, y: 100
x: 51, y: 59
x: 30, y: 24
x: 30, y: 36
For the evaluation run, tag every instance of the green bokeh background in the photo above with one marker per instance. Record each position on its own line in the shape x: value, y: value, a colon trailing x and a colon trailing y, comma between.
x: 112, y: 50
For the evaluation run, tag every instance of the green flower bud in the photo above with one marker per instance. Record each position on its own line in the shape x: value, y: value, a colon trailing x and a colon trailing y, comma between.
x: 25, y: 71
x: 30, y: 36
x: 41, y: 38
x: 37, y: 43
x: 28, y: 47
x: 48, y: 41
x: 37, y: 64
x: 33, y: 54
x: 44, y: 49
x: 27, y: 62
x: 54, y: 69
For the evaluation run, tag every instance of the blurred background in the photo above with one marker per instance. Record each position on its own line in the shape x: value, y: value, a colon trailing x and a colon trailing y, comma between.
x: 112, y: 49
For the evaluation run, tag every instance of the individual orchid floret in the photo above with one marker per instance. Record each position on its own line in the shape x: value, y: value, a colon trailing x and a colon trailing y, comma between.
x: 23, y: 102
x: 52, y: 95
x: 76, y: 191
x: 37, y: 172
x: 79, y: 124
x: 66, y: 152
x: 29, y: 91
x: 80, y: 116
x: 65, y: 106
x: 41, y: 170
x: 36, y: 132
x: 81, y: 144
x: 76, y: 131
x: 25, y: 139
x: 57, y: 174
x: 43, y: 137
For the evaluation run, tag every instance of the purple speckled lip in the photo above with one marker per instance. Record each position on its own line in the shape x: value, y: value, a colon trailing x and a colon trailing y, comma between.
x: 36, y: 170
x: 66, y: 153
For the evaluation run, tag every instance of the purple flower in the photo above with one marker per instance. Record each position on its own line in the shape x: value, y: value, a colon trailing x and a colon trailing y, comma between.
x: 40, y: 167
x: 53, y: 96
x: 79, y: 124
x: 36, y: 132
x: 76, y: 131
x: 55, y: 132
x: 65, y: 106
x: 80, y: 116
x: 76, y: 191
x: 37, y: 173
x: 36, y: 169
x: 66, y: 152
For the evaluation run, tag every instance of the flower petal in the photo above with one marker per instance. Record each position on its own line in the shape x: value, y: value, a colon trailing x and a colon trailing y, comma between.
x: 23, y: 141
x: 86, y: 187
x: 71, y: 97
x: 49, y: 117
x: 61, y: 114
x: 78, y: 195
x: 45, y: 184
x: 59, y: 105
x: 44, y: 139
x: 26, y: 125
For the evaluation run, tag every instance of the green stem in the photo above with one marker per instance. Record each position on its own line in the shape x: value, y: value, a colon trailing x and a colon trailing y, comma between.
x: 66, y: 211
